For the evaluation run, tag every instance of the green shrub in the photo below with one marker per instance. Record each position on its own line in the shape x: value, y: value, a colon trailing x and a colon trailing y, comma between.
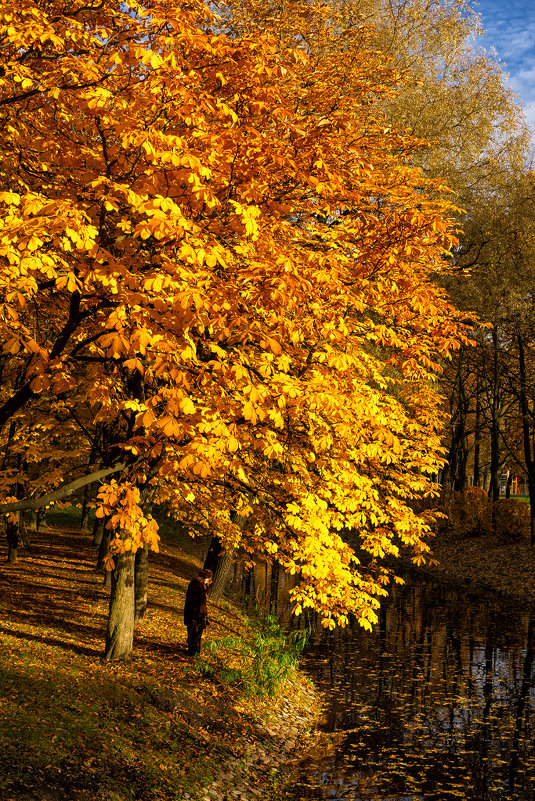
x: 257, y: 663
x: 511, y: 520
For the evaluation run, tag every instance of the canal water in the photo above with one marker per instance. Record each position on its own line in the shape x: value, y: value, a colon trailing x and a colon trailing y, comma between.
x: 437, y: 703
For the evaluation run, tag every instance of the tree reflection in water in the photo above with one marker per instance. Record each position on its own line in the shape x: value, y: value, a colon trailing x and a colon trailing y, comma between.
x: 436, y: 704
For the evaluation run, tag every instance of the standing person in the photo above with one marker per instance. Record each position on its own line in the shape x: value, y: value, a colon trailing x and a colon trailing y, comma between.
x: 196, y: 610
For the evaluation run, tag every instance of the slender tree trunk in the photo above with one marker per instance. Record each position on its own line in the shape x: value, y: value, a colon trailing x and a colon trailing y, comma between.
x: 41, y: 520
x: 477, y: 436
x: 103, y: 547
x: 13, y: 539
x: 461, y: 439
x: 495, y: 427
x: 120, y: 633
x: 98, y: 531
x: 141, y: 582
x: 528, y: 454
x: 84, y: 522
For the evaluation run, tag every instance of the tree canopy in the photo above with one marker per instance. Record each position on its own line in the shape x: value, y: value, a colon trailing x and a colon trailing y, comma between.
x: 217, y: 265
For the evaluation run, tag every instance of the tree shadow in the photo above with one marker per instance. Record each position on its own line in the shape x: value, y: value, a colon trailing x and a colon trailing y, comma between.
x: 56, y: 642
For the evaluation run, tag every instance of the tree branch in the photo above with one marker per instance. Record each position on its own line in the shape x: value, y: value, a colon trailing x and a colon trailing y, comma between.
x: 62, y: 492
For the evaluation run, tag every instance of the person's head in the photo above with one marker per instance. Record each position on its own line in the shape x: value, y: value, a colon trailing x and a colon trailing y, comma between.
x: 206, y: 576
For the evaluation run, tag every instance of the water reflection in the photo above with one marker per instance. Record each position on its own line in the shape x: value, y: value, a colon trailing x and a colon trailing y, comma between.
x: 436, y: 704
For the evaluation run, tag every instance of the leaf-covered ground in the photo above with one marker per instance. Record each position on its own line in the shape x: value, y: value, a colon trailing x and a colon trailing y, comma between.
x: 486, y: 561
x: 73, y: 727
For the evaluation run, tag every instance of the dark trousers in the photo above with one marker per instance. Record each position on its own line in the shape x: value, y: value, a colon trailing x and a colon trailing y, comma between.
x: 195, y: 631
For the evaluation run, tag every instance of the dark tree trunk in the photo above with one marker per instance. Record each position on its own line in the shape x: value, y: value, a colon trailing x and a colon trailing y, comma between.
x: 141, y: 582
x: 461, y: 437
x: 477, y: 437
x: 494, y: 493
x: 274, y: 589
x: 41, y: 520
x: 222, y: 566
x: 214, y: 550
x: 221, y: 575
x: 120, y: 633
x: 84, y: 522
x: 13, y: 539
x: 526, y: 432
x: 98, y: 531
x: 103, y: 547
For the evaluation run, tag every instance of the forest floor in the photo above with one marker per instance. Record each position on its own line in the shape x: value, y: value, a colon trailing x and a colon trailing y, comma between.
x: 485, y: 562
x: 74, y: 727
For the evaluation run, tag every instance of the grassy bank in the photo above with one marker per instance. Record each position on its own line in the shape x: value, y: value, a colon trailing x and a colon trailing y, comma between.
x: 158, y: 727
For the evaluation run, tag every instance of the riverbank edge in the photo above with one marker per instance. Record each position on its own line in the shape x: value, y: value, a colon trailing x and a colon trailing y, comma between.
x: 263, y: 766
x: 483, y: 563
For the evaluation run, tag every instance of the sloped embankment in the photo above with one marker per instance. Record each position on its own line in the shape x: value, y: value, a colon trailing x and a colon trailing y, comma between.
x: 154, y: 728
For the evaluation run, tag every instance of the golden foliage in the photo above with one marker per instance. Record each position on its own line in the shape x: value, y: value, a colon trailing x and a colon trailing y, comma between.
x: 218, y: 259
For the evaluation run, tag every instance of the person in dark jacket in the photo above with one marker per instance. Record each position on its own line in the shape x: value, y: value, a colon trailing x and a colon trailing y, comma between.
x: 196, y: 610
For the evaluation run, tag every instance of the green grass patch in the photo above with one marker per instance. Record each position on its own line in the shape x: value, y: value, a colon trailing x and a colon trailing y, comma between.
x: 523, y: 498
x: 68, y: 517
x: 258, y: 662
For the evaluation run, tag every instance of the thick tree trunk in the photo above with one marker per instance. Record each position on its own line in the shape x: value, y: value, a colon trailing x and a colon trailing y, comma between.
x: 262, y: 571
x: 220, y: 562
x: 274, y: 589
x: 120, y: 633
x: 141, y: 582
x: 214, y: 550
x: 221, y: 575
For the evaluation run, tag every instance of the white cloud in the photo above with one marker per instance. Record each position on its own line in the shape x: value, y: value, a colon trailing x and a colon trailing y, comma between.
x: 529, y: 111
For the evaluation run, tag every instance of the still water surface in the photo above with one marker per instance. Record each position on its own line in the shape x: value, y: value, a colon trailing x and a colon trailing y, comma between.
x: 438, y: 703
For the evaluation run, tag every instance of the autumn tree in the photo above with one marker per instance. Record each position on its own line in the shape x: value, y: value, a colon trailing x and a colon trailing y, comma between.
x: 495, y: 276
x: 214, y: 245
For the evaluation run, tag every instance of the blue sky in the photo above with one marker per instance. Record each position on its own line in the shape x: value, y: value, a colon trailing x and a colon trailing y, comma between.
x: 510, y: 28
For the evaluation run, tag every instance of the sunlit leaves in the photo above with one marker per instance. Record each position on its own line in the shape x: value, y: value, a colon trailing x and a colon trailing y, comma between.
x: 210, y: 265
